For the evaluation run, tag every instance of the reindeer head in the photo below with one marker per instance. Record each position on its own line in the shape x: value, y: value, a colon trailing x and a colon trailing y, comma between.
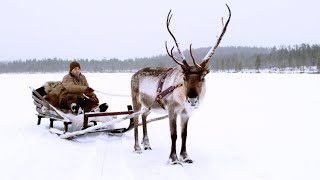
x: 194, y: 75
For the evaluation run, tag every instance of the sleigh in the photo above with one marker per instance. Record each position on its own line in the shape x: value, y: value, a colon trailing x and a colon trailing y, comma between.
x: 47, y: 111
x: 89, y: 121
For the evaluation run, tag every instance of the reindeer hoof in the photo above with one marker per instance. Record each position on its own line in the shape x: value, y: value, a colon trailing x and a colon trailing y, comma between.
x: 185, y: 158
x: 147, y: 148
x: 189, y: 161
x: 137, y: 149
x: 174, y: 161
x: 146, y: 145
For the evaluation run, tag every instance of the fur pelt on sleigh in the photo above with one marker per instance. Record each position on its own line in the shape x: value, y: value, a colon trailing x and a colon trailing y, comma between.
x: 50, y: 91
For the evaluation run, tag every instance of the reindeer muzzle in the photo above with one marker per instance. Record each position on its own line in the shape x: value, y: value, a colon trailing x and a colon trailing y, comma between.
x: 193, y: 101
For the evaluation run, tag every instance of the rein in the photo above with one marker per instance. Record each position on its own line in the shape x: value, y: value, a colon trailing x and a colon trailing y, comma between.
x: 161, y: 94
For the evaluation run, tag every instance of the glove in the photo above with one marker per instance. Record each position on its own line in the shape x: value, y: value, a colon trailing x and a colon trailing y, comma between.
x: 89, y: 90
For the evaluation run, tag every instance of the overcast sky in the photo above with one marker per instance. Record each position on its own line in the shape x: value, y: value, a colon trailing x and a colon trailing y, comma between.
x: 124, y: 29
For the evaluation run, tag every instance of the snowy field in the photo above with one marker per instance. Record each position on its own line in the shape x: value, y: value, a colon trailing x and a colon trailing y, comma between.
x: 251, y: 126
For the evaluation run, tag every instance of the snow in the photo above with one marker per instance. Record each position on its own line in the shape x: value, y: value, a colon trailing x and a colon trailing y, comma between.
x: 251, y: 126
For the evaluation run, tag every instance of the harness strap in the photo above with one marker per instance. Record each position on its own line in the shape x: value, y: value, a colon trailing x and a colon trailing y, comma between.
x: 161, y: 95
x: 161, y: 82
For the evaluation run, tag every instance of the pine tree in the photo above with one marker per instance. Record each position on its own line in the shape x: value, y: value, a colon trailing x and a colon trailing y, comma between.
x: 318, y: 64
x: 238, y: 67
x: 258, y: 63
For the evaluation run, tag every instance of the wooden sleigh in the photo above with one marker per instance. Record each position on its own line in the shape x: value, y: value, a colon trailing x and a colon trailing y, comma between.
x: 46, y: 110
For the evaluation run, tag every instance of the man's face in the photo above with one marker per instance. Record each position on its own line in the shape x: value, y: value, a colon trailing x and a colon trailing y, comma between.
x: 76, y: 71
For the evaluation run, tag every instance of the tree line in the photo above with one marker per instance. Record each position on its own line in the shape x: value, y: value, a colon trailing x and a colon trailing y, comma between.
x: 226, y: 59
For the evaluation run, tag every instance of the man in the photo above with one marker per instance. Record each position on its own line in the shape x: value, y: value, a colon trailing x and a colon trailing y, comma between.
x: 76, y: 92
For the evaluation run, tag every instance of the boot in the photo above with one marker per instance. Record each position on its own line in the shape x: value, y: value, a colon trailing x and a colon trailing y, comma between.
x: 76, y: 109
x: 103, y: 107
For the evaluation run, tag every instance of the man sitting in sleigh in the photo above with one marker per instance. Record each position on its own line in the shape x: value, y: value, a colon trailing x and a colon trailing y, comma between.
x: 76, y: 92
x: 72, y: 93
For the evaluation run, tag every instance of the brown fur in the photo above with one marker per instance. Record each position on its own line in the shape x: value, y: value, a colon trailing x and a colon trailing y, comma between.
x: 54, y: 96
x: 53, y: 90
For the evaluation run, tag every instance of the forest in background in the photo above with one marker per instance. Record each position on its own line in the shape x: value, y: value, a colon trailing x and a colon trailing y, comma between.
x: 226, y: 59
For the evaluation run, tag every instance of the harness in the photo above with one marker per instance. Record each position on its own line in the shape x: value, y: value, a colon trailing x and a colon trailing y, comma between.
x: 161, y: 95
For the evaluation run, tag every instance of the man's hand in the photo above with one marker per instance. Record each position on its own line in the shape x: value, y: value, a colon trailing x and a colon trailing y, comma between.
x: 89, y: 90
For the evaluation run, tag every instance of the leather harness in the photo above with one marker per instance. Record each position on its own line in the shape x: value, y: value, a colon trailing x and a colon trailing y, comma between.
x: 161, y: 95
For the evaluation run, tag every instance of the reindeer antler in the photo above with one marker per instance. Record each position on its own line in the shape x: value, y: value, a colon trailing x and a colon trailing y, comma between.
x: 194, y: 61
x: 213, y: 49
x: 171, y: 55
x: 179, y: 51
x: 209, y: 54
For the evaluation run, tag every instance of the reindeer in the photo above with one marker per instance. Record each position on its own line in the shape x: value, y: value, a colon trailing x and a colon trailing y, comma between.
x: 185, y: 89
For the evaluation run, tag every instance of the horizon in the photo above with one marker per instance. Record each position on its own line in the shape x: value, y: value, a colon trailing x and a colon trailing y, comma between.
x: 163, y: 54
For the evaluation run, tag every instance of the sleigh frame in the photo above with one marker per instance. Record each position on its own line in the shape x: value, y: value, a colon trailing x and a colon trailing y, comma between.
x: 56, y: 115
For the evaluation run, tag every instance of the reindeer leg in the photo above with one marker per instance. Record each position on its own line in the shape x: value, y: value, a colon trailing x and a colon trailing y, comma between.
x: 145, y: 140
x: 173, y: 159
x: 184, y: 128
x: 136, y: 108
x: 137, y: 147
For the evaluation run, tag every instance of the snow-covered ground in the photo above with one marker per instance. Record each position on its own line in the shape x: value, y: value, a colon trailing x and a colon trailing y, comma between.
x: 251, y: 126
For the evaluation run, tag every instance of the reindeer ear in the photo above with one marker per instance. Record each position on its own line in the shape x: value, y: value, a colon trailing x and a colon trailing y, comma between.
x: 185, y: 67
x: 185, y: 63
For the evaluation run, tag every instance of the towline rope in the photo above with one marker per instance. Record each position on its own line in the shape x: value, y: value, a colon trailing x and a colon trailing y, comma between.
x: 110, y: 94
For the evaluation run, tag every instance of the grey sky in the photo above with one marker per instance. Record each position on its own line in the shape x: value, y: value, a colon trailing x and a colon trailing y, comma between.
x: 123, y: 29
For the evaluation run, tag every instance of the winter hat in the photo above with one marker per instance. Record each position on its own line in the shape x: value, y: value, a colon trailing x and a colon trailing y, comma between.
x: 74, y: 64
